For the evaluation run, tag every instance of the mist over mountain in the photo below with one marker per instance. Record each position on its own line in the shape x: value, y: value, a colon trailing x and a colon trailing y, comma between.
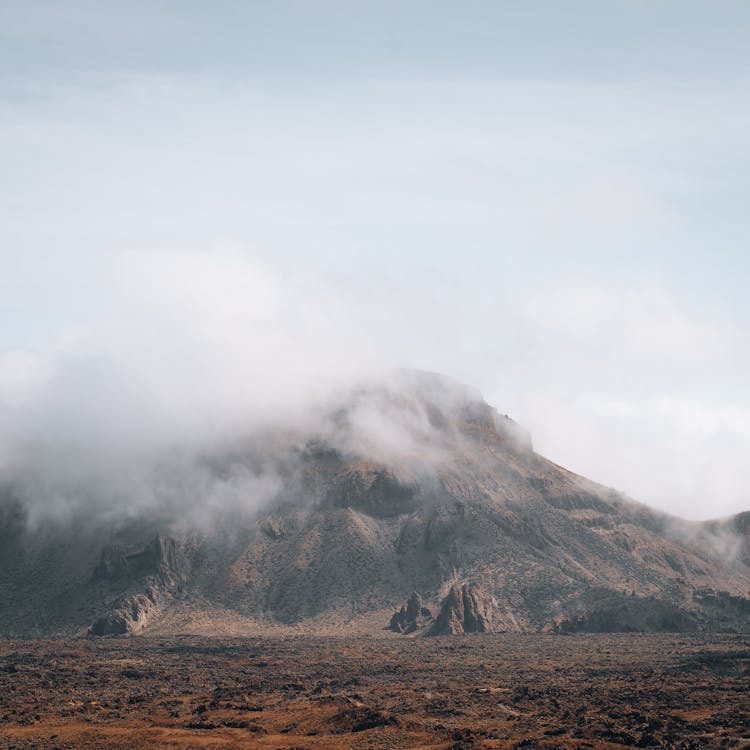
x: 327, y: 520
x: 183, y: 349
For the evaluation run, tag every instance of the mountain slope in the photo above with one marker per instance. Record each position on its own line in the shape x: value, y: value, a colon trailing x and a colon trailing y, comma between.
x: 410, y: 485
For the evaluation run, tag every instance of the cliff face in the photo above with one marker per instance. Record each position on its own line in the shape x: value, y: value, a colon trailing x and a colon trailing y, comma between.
x: 418, y: 486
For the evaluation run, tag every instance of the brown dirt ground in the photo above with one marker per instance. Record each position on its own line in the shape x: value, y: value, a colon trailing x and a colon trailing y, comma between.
x: 485, y: 691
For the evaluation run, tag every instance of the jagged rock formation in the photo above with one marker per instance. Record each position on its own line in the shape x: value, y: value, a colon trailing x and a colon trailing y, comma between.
x: 407, y: 485
x: 411, y: 617
x: 467, y: 609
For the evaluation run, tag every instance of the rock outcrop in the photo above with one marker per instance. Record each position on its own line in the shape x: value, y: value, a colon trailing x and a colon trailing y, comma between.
x: 411, y: 617
x: 371, y: 489
x: 616, y: 613
x: 464, y: 610
x: 130, y: 617
x: 158, y: 569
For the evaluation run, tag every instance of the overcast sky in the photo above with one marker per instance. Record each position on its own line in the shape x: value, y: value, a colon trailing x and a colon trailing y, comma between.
x: 546, y: 200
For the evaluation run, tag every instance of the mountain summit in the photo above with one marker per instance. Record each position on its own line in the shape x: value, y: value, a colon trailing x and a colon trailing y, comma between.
x: 409, y: 484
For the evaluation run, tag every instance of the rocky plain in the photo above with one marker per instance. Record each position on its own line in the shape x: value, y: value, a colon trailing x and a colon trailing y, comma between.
x: 592, y: 691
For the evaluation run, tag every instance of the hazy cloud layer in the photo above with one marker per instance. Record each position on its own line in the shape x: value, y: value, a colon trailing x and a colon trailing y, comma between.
x: 636, y: 392
x: 196, y: 348
x: 191, y: 350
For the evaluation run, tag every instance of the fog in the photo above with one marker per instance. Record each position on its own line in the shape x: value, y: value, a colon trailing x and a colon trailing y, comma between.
x: 204, y: 374
x: 192, y: 351
x: 195, y: 350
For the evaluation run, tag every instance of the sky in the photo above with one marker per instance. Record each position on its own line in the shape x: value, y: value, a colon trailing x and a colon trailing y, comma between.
x: 209, y: 208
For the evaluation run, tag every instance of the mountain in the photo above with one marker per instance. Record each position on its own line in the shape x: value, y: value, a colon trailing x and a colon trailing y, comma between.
x: 410, y: 484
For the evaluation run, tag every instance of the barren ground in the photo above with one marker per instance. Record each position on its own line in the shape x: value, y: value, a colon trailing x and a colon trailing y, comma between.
x: 487, y: 691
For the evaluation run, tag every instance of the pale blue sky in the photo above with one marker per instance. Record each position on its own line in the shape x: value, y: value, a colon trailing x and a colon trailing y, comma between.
x: 549, y: 200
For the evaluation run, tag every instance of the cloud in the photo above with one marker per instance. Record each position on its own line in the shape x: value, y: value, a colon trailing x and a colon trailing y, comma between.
x: 192, y: 350
x: 627, y: 387
x: 625, y: 322
x: 21, y: 374
x: 195, y: 348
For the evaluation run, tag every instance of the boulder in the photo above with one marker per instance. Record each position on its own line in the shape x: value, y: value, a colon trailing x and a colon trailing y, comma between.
x: 129, y: 618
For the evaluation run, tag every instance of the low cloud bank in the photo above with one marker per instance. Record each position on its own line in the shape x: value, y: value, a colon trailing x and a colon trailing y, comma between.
x: 193, y: 350
x: 194, y: 392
